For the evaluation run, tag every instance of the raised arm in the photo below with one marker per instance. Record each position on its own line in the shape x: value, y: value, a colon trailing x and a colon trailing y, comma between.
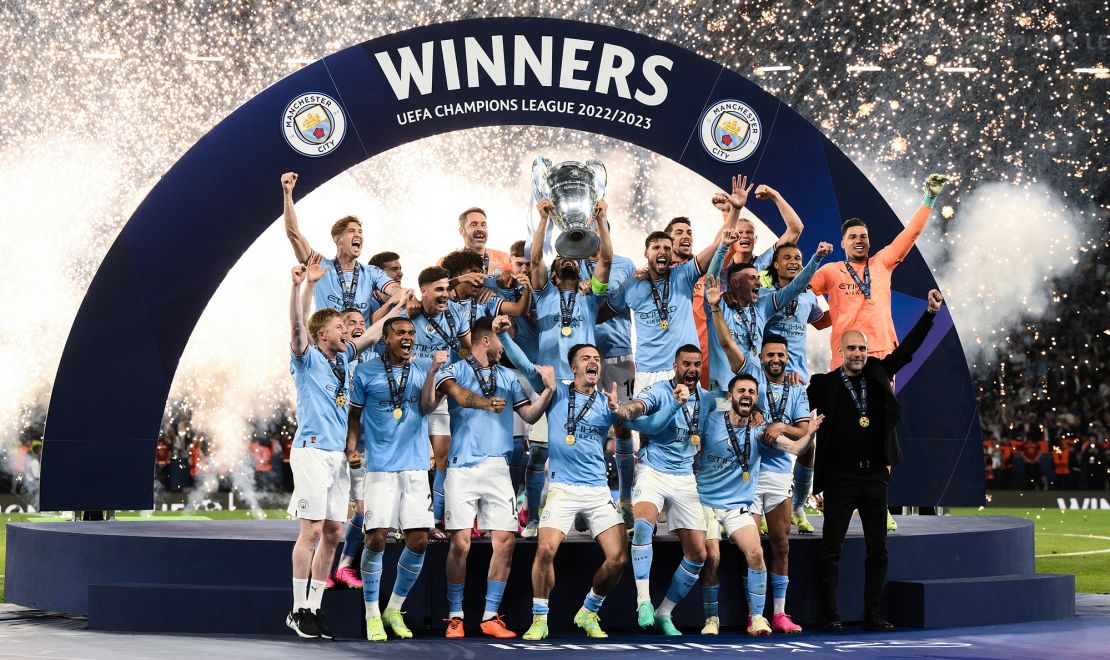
x: 298, y: 341
x: 625, y: 412
x: 501, y: 326
x: 903, y: 353
x: 538, y: 268
x: 520, y: 307
x: 903, y: 242
x: 655, y: 423
x: 717, y: 263
x: 736, y: 202
x: 605, y: 251
x: 354, y: 428
x: 796, y: 447
x: 793, y: 221
x: 301, y: 248
x: 798, y: 285
x: 736, y: 357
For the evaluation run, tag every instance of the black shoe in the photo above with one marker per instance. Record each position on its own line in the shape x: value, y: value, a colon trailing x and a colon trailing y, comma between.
x: 834, y: 627
x: 303, y: 623
x: 877, y: 623
x: 322, y: 625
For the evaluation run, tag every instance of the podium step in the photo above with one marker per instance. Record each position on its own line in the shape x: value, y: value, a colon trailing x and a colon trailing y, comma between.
x: 980, y: 601
x: 212, y: 608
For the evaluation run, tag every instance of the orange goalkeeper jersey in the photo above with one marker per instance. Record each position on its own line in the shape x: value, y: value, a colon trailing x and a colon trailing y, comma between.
x: 848, y: 308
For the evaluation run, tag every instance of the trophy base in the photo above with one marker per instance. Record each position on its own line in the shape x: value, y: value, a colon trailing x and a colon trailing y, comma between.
x: 577, y: 244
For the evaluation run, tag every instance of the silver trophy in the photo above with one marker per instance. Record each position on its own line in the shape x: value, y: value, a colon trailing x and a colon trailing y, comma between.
x: 574, y: 189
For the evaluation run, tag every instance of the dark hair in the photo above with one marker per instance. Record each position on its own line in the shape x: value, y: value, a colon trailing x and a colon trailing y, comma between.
x: 779, y: 248
x: 433, y: 274
x: 736, y: 268
x: 656, y: 236
x: 849, y: 223
x: 739, y: 377
x: 687, y: 348
x: 463, y: 261
x: 680, y: 220
x: 350, y: 310
x: 772, y: 338
x: 578, y: 347
x: 382, y: 258
x: 517, y: 249
x: 387, y: 328
x: 481, y: 327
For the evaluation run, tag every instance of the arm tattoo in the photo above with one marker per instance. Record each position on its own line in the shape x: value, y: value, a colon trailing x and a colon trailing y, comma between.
x: 470, y: 400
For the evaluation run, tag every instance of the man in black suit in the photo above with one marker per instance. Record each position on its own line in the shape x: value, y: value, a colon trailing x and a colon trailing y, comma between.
x: 857, y: 447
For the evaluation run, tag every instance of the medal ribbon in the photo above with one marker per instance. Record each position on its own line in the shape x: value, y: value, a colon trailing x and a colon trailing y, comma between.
x: 735, y: 442
x: 566, y: 307
x: 865, y: 284
x: 692, y: 420
x: 748, y: 325
x: 662, y: 303
x: 452, y: 339
x: 396, y: 392
x: 572, y: 420
x: 778, y: 412
x: 348, y: 294
x: 487, y: 388
x: 860, y: 400
x: 339, y: 371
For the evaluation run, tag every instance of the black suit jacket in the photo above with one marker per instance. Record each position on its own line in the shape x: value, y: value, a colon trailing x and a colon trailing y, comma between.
x: 823, y: 390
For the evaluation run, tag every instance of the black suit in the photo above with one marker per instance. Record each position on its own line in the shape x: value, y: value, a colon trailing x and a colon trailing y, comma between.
x: 850, y: 466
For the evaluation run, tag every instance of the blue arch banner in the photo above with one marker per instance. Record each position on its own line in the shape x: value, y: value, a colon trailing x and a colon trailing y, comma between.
x: 185, y: 236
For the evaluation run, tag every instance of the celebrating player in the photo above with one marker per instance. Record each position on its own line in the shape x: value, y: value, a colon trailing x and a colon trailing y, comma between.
x: 478, y: 482
x: 578, y: 424
x: 441, y: 325
x: 321, y: 354
x: 467, y: 281
x: 728, y: 470
x: 351, y: 285
x: 786, y: 408
x: 665, y: 481
x: 475, y: 232
x: 391, y: 399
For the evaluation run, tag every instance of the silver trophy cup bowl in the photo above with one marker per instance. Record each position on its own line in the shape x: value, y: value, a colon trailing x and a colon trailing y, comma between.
x: 574, y: 189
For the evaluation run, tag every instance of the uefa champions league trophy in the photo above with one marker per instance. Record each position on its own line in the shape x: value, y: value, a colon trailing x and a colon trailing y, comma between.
x: 573, y: 188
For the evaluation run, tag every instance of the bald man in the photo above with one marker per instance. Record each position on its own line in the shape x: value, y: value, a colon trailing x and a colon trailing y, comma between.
x: 857, y: 447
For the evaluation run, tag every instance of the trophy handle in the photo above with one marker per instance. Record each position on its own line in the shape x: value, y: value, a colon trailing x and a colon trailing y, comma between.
x: 540, y: 187
x: 601, y: 176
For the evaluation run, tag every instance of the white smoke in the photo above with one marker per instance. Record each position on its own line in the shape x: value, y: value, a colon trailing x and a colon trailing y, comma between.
x: 1003, y: 249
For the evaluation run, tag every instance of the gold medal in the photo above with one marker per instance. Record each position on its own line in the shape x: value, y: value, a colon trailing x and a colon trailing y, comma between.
x: 663, y: 326
x: 340, y: 400
x: 566, y: 330
x: 463, y: 353
x: 570, y: 439
x: 695, y: 439
x: 864, y: 421
x: 870, y: 301
x: 396, y: 413
x: 747, y: 476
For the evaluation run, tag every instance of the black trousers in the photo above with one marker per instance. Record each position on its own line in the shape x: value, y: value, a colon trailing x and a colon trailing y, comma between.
x: 845, y: 491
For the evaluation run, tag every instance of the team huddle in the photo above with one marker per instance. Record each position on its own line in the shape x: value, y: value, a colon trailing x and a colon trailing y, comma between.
x: 707, y: 410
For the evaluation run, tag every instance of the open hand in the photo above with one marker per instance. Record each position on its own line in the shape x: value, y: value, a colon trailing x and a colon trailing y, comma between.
x: 315, y: 269
x: 712, y: 290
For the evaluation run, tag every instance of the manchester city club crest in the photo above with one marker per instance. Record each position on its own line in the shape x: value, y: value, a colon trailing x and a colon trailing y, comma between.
x: 313, y: 124
x: 730, y: 131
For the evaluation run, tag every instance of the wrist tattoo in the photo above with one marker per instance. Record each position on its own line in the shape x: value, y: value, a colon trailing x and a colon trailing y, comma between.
x: 470, y: 400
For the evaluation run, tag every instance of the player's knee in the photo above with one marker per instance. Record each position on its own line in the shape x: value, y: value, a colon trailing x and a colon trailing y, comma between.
x: 503, y: 542
x: 460, y: 543
x: 418, y: 543
x: 754, y: 556
x: 697, y: 554
x: 545, y: 551
x: 374, y: 540
x: 780, y: 545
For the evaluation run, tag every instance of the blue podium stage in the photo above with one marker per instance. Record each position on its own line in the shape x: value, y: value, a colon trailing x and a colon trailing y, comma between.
x: 233, y: 577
